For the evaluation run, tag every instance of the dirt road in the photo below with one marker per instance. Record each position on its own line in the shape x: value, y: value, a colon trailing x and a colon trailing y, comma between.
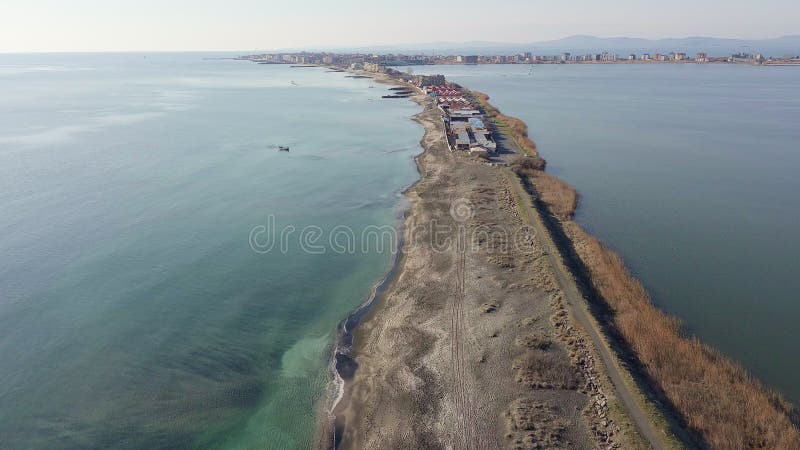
x: 578, y: 309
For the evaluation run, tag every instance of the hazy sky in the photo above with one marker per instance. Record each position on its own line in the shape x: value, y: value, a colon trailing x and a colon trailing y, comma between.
x: 121, y: 25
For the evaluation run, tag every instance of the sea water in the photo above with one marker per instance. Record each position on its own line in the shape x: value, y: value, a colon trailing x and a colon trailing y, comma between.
x: 143, y: 302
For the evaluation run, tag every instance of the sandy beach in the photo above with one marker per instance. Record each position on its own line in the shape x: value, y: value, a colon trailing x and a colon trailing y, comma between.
x: 471, y: 345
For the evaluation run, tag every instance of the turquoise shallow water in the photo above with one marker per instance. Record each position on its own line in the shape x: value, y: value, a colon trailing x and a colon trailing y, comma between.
x: 133, y: 310
x: 690, y: 173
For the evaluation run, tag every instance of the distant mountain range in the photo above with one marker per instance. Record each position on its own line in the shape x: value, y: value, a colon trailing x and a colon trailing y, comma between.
x: 786, y: 45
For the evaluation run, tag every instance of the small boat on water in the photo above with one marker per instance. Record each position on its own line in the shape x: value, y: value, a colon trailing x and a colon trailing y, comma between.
x: 282, y: 148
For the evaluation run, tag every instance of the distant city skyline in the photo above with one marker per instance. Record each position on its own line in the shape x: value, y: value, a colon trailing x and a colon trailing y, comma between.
x: 239, y: 25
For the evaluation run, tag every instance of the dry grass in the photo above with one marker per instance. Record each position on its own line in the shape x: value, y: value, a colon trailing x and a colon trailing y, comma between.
x: 555, y: 192
x: 721, y: 403
x: 558, y: 195
x: 534, y: 341
x: 541, y: 369
x: 535, y: 425
x: 525, y: 165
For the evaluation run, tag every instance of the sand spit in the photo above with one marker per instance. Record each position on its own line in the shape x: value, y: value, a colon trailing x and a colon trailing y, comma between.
x: 470, y: 346
x: 507, y: 326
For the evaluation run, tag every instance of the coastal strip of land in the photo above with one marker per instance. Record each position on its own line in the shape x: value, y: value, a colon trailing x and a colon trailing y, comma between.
x: 507, y: 326
x: 472, y: 345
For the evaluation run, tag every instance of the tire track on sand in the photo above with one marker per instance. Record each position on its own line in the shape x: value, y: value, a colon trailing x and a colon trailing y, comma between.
x: 467, y: 435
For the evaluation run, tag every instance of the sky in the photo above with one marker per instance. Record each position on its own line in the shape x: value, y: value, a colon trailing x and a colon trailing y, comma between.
x: 238, y: 25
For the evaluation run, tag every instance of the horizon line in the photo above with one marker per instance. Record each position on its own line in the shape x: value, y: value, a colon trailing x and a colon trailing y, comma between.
x: 338, y: 47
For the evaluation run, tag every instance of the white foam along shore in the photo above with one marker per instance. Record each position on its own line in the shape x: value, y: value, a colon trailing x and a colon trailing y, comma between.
x: 342, y: 346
